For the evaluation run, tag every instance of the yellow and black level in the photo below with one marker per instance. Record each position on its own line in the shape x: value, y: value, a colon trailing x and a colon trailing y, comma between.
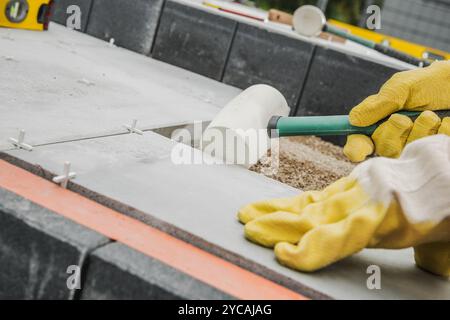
x: 414, y: 49
x: 25, y: 14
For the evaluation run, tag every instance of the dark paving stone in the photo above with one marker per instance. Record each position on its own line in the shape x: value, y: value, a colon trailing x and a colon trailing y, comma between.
x: 132, y: 23
x: 261, y: 56
x: 36, y: 248
x: 60, y: 15
x: 119, y: 272
x: 337, y: 82
x: 194, y: 39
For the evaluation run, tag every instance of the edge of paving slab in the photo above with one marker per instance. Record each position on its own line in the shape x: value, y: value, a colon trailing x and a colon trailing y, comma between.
x: 180, y: 255
x: 39, y: 251
x: 39, y: 239
x: 172, y: 230
x: 287, y: 31
x: 128, y: 267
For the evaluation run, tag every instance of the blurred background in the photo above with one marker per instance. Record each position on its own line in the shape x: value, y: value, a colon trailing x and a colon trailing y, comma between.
x: 342, y: 10
x: 418, y: 22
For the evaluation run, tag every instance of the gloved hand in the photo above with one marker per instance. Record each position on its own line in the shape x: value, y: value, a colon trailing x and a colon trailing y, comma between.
x: 414, y: 90
x: 384, y: 203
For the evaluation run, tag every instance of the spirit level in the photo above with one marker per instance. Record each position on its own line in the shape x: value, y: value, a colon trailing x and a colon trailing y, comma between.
x: 25, y: 14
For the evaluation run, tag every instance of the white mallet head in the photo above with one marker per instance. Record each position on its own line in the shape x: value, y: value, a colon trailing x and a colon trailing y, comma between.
x: 309, y: 21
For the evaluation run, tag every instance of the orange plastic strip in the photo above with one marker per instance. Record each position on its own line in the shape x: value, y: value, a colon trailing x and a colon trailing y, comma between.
x: 178, y: 254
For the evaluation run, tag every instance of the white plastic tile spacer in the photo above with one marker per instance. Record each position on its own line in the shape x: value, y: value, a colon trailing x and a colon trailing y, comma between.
x: 132, y: 128
x: 19, y: 142
x: 66, y: 176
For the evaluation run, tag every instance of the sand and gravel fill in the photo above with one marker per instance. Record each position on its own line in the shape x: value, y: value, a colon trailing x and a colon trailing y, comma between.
x: 307, y: 163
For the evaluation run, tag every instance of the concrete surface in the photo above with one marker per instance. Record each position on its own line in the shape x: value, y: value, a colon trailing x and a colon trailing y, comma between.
x: 118, y: 272
x: 194, y: 39
x: 201, y: 201
x: 72, y: 86
x: 36, y: 248
x: 260, y: 56
x: 132, y: 23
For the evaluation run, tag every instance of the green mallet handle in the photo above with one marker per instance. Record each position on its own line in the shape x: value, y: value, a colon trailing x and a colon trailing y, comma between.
x: 326, y: 125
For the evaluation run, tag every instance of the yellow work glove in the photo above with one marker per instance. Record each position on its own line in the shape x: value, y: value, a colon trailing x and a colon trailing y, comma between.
x: 384, y: 203
x: 415, y: 90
